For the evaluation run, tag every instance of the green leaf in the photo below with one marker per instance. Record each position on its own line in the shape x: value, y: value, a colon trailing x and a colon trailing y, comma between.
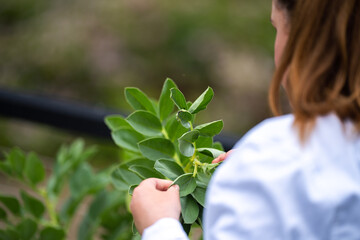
x: 138, y: 100
x: 218, y: 146
x: 140, y: 162
x: 16, y: 158
x: 186, y: 146
x: 104, y: 202
x: 174, y: 129
x: 210, y: 129
x: 202, y: 179
x: 81, y: 179
x: 166, y: 105
x: 145, y: 172
x: 187, y: 184
x: 34, y: 169
x: 204, y: 142
x: 131, y: 189
x: 190, y: 136
x: 127, y: 138
x: 178, y: 98
x: 115, y: 122
x: 11, y: 203
x: 157, y: 148
x: 76, y: 149
x: 211, y: 152
x: 185, y: 118
x: 169, y: 169
x: 189, y: 209
x: 199, y: 195
x: 202, y: 101
x: 33, y: 205
x: 145, y: 123
x: 3, y: 214
x: 123, y: 174
x: 51, y: 233
x: 26, y: 229
x: 6, y: 168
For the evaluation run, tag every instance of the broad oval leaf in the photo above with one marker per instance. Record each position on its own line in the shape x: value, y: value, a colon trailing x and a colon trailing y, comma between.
x: 34, y: 169
x: 174, y: 129
x: 218, y: 145
x: 199, y: 195
x: 34, y: 206
x: 202, y: 101
x: 202, y: 179
x: 189, y: 209
x: 127, y: 138
x: 185, y: 118
x: 190, y: 136
x: 123, y: 174
x: 140, y: 162
x: 166, y: 105
x: 11, y: 203
x: 138, y: 100
x: 187, y: 184
x: 51, y: 233
x: 145, y: 172
x: 157, y: 148
x: 211, y: 152
x: 115, y: 122
x: 204, y: 142
x: 81, y: 179
x: 169, y: 169
x: 178, y: 98
x: 26, y: 229
x: 16, y: 159
x: 210, y: 129
x: 145, y: 123
x: 186, y: 148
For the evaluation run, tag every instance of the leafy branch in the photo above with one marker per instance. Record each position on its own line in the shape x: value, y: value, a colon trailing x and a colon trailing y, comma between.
x: 167, y: 144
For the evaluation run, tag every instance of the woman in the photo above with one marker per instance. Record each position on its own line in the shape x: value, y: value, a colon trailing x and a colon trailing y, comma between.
x: 295, y: 176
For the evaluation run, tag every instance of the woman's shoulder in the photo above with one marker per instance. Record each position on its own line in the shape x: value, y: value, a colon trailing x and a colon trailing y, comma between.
x: 273, y: 136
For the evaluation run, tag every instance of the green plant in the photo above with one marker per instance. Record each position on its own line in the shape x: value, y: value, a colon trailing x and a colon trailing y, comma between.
x: 41, y: 213
x: 164, y: 144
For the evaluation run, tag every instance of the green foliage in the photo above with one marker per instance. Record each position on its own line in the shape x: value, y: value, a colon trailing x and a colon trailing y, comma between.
x: 38, y: 213
x: 167, y: 145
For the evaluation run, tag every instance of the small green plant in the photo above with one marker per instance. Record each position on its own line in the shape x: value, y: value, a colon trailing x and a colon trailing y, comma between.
x: 167, y: 144
x: 43, y: 212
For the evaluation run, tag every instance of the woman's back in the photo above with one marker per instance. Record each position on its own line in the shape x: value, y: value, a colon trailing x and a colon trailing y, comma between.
x: 281, y: 188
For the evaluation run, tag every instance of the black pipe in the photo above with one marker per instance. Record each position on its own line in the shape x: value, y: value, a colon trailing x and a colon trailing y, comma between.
x: 66, y: 115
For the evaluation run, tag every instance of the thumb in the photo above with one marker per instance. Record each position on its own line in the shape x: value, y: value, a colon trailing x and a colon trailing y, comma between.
x: 174, y: 190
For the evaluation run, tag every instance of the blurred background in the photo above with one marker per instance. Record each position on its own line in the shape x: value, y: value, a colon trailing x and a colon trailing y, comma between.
x: 87, y: 51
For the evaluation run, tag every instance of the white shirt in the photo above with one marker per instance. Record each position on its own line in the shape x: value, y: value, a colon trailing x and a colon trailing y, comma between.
x: 274, y: 187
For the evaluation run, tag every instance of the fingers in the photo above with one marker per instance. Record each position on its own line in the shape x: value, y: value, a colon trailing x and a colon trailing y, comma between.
x: 158, y: 184
x: 222, y: 157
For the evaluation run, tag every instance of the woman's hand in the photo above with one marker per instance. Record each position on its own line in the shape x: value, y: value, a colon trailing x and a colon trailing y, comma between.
x: 153, y: 200
x: 221, y: 157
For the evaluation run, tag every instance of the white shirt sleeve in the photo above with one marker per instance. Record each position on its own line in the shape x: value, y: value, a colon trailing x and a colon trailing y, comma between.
x: 165, y: 229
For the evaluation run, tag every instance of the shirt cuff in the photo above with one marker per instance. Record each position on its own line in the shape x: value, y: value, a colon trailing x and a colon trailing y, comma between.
x: 165, y: 229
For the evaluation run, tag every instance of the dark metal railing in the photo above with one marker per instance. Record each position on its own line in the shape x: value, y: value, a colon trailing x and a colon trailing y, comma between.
x: 66, y: 115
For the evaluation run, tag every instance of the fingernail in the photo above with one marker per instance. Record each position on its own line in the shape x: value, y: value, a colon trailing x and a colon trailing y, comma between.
x: 176, y: 187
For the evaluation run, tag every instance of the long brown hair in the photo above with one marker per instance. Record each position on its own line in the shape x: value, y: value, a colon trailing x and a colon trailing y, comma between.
x: 320, y: 66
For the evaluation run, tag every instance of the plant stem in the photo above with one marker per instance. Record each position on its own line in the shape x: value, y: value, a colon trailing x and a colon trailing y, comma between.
x: 50, y: 206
